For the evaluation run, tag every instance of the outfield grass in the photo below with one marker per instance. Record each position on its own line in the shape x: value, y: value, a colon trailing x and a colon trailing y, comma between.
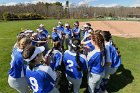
x: 125, y: 81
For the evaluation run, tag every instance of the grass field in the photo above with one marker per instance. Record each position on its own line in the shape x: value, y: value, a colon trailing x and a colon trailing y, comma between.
x: 126, y: 80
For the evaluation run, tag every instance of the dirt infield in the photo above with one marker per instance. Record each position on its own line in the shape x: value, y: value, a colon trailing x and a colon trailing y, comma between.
x: 128, y: 29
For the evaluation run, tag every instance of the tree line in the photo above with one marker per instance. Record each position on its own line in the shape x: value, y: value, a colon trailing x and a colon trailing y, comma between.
x: 57, y: 10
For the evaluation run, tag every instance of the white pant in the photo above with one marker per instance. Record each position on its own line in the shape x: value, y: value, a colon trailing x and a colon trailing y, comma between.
x: 20, y: 84
x: 76, y: 83
x: 55, y: 90
x: 94, y: 81
x: 108, y: 71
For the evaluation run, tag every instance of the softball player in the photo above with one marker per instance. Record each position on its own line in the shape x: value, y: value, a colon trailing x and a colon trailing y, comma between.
x: 60, y: 27
x: 75, y: 63
x: 60, y: 31
x: 42, y: 37
x: 87, y: 43
x: 16, y: 77
x: 85, y: 30
x: 55, y: 35
x: 40, y: 77
x: 96, y: 60
x: 35, y: 39
x: 113, y: 58
x: 76, y: 30
x: 68, y: 35
x: 56, y: 56
x: 44, y: 31
x: 28, y: 32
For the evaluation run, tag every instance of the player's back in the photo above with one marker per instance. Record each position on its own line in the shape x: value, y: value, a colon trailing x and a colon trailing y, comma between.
x: 39, y: 80
x: 17, y: 66
x: 56, y: 59
x: 95, y: 61
x: 69, y: 60
x: 116, y: 60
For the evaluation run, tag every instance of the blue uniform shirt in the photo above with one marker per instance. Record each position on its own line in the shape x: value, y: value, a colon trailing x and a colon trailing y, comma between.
x: 44, y: 32
x: 76, y: 30
x: 90, y: 45
x: 84, y: 32
x: 69, y: 60
x: 55, y: 36
x: 42, y: 36
x: 60, y: 28
x: 17, y: 69
x: 41, y: 78
x: 116, y: 60
x: 95, y: 61
x: 56, y: 59
x: 68, y: 32
x: 107, y: 47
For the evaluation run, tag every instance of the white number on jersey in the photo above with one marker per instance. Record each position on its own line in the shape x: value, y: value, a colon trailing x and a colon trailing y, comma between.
x: 34, y: 84
x: 70, y: 64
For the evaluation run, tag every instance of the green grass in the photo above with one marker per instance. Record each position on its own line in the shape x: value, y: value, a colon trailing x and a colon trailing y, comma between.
x: 126, y: 79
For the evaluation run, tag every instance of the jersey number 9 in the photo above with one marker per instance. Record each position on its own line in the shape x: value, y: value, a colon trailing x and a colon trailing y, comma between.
x: 34, y: 84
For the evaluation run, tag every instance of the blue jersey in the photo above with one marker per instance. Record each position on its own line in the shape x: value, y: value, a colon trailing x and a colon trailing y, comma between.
x: 76, y: 30
x: 42, y: 36
x: 90, y: 45
x: 18, y: 68
x: 55, y: 36
x: 95, y: 62
x: 60, y: 28
x: 41, y: 79
x: 107, y: 47
x: 116, y: 60
x: 45, y: 32
x: 56, y: 59
x: 69, y: 60
x: 68, y: 32
x: 84, y: 32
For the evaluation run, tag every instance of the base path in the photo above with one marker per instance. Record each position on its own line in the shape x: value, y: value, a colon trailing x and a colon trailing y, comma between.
x: 128, y: 29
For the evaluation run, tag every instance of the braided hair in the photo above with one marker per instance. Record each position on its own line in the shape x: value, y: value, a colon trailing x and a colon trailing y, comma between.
x: 99, y: 41
x: 76, y: 47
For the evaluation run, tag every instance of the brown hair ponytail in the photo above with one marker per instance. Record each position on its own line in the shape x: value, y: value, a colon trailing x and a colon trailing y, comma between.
x: 99, y: 41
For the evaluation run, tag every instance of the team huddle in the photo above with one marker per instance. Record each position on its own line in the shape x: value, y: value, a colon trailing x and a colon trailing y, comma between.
x: 75, y: 52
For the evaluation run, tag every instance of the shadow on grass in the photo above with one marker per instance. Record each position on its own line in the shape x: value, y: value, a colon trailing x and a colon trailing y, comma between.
x: 117, y: 81
x: 120, y: 79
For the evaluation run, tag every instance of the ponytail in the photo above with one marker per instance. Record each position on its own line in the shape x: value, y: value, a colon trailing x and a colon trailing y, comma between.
x: 99, y: 40
x: 103, y: 54
x: 75, y: 46
x: 78, y: 61
x: 31, y: 65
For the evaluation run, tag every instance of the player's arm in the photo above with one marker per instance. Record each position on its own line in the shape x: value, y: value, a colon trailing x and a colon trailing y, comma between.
x: 58, y: 58
x: 40, y: 42
x: 83, y: 61
x: 108, y: 58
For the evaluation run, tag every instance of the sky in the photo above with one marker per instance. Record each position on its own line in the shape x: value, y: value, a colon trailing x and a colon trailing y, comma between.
x: 97, y: 3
